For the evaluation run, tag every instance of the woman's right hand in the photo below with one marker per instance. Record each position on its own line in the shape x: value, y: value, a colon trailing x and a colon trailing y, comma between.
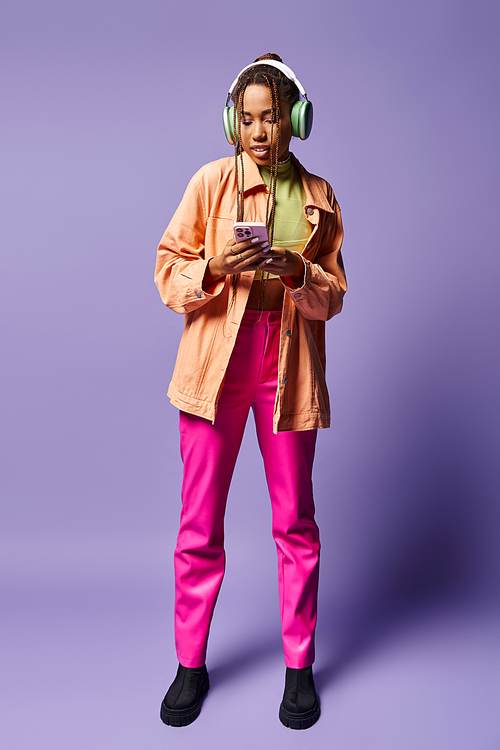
x: 235, y: 258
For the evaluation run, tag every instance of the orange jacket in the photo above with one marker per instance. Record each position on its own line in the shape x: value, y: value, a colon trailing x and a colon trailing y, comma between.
x: 199, y: 229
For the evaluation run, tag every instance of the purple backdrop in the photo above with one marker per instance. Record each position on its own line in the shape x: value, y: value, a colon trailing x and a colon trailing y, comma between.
x: 107, y: 109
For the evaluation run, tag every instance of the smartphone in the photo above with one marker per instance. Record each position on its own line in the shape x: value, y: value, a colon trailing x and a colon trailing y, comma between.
x: 245, y: 230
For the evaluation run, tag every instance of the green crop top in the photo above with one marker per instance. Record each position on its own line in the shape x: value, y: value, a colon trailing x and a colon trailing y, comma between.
x: 291, y: 228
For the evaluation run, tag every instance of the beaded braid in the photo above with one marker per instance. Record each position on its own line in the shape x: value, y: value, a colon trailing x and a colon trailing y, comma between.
x: 240, y: 189
x: 275, y: 118
x: 273, y: 180
x: 238, y: 151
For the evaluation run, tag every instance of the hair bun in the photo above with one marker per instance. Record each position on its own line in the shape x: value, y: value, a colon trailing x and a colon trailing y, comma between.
x: 269, y: 56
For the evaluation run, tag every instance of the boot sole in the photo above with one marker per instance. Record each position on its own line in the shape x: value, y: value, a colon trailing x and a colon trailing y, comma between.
x: 184, y: 716
x: 299, y: 721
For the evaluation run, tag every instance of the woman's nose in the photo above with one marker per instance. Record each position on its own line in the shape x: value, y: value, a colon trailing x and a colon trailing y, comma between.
x: 259, y: 131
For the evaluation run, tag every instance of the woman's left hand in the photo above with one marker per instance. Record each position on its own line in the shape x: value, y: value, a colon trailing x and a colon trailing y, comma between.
x: 282, y: 262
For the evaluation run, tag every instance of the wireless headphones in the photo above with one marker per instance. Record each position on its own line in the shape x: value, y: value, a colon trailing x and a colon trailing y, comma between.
x: 301, y: 113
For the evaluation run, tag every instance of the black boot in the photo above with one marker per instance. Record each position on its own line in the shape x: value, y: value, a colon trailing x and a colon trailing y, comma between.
x: 300, y: 706
x: 181, y: 705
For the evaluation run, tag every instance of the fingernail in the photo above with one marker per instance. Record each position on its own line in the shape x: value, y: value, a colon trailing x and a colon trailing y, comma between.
x: 255, y: 239
x: 266, y: 244
x: 269, y: 260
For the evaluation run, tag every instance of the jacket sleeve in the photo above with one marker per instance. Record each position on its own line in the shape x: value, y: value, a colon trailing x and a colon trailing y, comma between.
x: 180, y: 261
x: 321, y: 293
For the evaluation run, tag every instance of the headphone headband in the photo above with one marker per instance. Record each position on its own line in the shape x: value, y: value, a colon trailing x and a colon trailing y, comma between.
x: 301, y: 114
x: 275, y: 64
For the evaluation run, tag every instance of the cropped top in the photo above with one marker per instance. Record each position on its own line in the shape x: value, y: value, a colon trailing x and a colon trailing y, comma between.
x: 291, y: 228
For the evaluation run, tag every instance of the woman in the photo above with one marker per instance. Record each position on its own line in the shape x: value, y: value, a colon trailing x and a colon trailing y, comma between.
x: 254, y: 337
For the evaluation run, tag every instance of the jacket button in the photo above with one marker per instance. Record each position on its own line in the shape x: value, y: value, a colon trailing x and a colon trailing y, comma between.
x: 197, y: 294
x: 310, y: 211
x: 288, y: 333
x: 297, y: 295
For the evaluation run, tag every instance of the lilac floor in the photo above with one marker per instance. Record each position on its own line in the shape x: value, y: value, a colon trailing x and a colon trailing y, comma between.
x: 88, y: 656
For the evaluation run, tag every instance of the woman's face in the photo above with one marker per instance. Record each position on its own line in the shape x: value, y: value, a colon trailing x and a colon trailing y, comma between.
x: 256, y: 124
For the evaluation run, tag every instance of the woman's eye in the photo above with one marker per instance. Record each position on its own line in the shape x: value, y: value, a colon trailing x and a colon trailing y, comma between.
x: 246, y: 122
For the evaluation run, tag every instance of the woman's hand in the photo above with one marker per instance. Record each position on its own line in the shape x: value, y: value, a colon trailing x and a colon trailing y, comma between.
x: 235, y: 258
x: 251, y: 254
x: 282, y: 262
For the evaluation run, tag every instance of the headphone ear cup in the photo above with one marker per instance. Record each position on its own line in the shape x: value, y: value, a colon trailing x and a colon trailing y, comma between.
x: 302, y: 119
x: 228, y: 123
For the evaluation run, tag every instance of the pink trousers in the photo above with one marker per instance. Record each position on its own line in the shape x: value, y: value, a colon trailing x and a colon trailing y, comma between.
x: 209, y: 453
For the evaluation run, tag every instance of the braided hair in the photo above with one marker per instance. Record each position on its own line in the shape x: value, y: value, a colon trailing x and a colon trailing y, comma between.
x: 282, y: 89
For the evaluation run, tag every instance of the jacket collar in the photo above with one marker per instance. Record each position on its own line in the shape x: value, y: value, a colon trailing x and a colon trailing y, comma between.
x: 315, y: 195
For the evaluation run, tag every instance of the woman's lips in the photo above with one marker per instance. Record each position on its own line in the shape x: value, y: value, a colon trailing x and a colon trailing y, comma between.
x: 261, y: 151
